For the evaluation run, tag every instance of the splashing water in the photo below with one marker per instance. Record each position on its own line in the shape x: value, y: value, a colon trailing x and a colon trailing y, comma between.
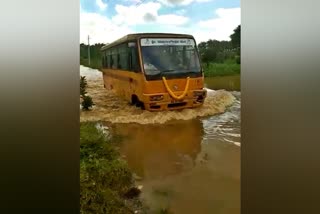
x: 109, y: 107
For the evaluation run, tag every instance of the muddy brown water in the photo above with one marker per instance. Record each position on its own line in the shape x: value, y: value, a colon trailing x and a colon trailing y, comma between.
x: 231, y: 83
x: 187, y: 161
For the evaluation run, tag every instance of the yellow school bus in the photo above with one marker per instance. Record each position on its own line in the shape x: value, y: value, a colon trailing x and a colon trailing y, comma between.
x: 155, y: 71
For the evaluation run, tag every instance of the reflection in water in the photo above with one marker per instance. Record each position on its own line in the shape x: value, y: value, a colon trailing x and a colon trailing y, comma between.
x: 186, y: 166
x: 155, y: 151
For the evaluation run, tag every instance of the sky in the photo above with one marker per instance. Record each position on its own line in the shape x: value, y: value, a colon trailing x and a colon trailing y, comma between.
x: 108, y: 20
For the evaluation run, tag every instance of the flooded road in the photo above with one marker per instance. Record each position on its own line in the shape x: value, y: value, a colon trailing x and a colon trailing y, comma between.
x: 230, y: 83
x: 186, y: 161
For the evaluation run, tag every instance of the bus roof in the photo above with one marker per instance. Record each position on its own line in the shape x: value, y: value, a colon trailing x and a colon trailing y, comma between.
x: 136, y: 36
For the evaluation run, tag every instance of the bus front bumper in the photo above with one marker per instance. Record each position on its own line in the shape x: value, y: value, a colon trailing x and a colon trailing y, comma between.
x: 163, y: 101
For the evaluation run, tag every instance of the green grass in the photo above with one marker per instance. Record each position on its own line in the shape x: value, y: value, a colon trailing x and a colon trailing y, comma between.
x: 104, y: 177
x: 95, y: 63
x: 221, y: 69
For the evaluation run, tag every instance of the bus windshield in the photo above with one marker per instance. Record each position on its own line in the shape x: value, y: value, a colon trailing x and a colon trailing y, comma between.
x: 168, y: 56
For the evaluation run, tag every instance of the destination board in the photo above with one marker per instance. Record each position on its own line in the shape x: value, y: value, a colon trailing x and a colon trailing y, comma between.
x: 166, y: 41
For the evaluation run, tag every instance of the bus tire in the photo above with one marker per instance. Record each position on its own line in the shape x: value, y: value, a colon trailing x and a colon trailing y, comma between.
x: 134, y: 99
x: 140, y: 105
x: 136, y: 102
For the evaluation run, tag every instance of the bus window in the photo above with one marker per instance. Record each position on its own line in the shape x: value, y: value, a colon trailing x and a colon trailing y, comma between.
x: 169, y: 59
x: 133, y: 59
x: 111, y: 61
x: 105, y: 60
x: 123, y: 56
x: 108, y: 53
x: 118, y: 61
x: 114, y: 58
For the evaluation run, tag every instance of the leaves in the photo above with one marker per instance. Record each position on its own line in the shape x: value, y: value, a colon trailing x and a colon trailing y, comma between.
x: 87, y: 102
x: 220, y: 51
x: 83, y: 85
x: 236, y: 37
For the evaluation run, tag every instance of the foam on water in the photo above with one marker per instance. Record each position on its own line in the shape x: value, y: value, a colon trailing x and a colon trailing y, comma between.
x: 89, y: 73
x: 225, y: 126
x: 109, y: 107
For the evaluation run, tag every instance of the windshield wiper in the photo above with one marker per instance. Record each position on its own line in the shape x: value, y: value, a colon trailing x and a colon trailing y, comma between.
x: 166, y: 71
x: 194, y: 72
x: 191, y: 71
x: 161, y: 72
x: 175, y: 71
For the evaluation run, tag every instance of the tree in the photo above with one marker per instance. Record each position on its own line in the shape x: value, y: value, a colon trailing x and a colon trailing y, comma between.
x: 236, y: 37
x: 202, y: 47
x: 209, y: 55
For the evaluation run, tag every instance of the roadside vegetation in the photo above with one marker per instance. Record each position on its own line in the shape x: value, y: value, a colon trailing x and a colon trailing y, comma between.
x: 95, y: 55
x: 221, y: 69
x: 106, y: 183
x: 221, y: 58
x: 87, y: 102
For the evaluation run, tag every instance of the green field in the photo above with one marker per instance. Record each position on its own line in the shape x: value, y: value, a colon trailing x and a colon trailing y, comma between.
x: 221, y: 69
x: 95, y: 63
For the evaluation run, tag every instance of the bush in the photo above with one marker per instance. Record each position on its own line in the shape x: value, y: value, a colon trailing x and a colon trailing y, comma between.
x: 83, y: 85
x: 221, y: 56
x: 209, y: 55
x: 87, y: 102
x: 238, y: 59
x: 104, y: 178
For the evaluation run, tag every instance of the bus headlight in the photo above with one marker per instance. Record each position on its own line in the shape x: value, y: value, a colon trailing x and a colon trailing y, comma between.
x: 156, y: 97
